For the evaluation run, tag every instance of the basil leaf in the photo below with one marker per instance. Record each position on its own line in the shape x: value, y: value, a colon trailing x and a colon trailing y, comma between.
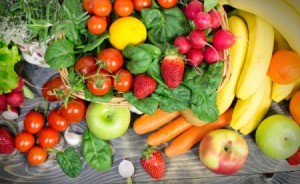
x: 70, y: 162
x: 94, y: 98
x: 96, y: 152
x: 91, y: 46
x: 210, y: 4
x: 146, y: 105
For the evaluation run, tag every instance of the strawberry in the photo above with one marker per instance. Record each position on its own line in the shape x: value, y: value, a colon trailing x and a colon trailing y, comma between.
x: 153, y: 162
x: 172, y: 69
x: 6, y: 141
x: 294, y: 159
x: 143, y: 85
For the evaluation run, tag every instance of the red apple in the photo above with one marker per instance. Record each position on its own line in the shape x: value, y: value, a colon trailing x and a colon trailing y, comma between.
x: 223, y: 151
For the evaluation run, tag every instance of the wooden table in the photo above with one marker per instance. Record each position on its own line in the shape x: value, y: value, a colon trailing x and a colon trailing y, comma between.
x: 182, y: 169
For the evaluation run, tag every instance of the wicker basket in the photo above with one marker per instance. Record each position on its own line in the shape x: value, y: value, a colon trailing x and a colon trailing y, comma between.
x: 120, y: 101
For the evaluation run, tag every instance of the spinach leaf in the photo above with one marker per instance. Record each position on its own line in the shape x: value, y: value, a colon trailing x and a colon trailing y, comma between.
x: 210, y: 4
x: 146, y: 105
x: 94, y: 98
x: 92, y: 45
x: 60, y: 54
x: 96, y: 152
x: 155, y: 72
x: 70, y: 162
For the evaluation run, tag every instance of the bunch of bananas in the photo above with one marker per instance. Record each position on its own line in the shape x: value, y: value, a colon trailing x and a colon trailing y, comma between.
x: 260, y: 30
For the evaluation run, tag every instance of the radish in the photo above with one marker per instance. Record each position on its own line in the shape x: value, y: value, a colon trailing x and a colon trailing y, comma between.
x: 194, y: 57
x: 2, y: 102
x: 202, y: 20
x: 126, y: 170
x: 15, y: 99
x: 197, y: 39
x: 11, y: 113
x: 20, y: 84
x: 216, y: 19
x: 183, y: 44
x: 212, y: 55
x: 193, y: 8
x: 223, y: 39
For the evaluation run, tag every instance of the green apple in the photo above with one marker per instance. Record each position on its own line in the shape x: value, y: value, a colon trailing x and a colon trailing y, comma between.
x: 278, y: 136
x: 106, y: 121
x: 223, y: 151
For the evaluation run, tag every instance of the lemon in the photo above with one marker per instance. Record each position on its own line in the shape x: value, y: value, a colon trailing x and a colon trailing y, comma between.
x: 127, y: 30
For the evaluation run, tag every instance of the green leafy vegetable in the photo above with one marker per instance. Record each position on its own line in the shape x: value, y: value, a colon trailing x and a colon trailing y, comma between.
x: 146, y: 105
x: 94, y: 98
x: 96, y: 152
x: 27, y: 92
x: 70, y: 162
x: 92, y: 45
x: 210, y: 4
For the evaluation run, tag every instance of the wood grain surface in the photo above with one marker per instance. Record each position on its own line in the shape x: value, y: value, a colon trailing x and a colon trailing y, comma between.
x: 181, y: 169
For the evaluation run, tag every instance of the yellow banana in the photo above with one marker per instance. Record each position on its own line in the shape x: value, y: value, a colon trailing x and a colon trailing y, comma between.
x: 245, y: 109
x: 295, y: 89
x: 294, y: 4
x: 277, y: 13
x: 280, y: 92
x: 259, y: 53
x: 280, y: 42
x: 237, y: 56
x: 260, y: 113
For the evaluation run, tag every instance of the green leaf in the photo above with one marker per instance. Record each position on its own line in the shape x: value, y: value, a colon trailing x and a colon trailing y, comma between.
x: 27, y: 92
x: 155, y: 72
x: 96, y: 43
x: 210, y: 4
x: 60, y: 54
x: 94, y: 98
x: 146, y: 105
x: 96, y: 152
x: 70, y: 162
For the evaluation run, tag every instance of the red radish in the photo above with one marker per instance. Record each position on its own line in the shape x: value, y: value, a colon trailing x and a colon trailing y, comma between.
x: 193, y: 8
x: 15, y: 99
x: 216, y: 19
x: 183, y: 44
x: 212, y: 55
x: 20, y: 84
x: 11, y: 113
x: 197, y: 39
x: 194, y: 57
x: 223, y: 39
x: 2, y: 102
x: 202, y: 20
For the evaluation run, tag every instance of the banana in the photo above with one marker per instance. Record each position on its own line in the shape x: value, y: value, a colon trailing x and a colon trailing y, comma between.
x: 260, y: 113
x: 259, y: 53
x: 275, y: 12
x: 280, y: 92
x: 280, y: 42
x: 295, y: 89
x: 237, y: 56
x: 294, y: 4
x: 245, y: 109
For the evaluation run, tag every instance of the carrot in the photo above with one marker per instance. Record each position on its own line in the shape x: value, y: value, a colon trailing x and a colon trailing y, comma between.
x: 193, y: 135
x: 147, y: 123
x: 168, y: 132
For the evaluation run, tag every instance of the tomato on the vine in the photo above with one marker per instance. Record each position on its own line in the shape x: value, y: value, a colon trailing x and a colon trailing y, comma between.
x: 56, y: 121
x: 123, y: 8
x: 88, y: 6
x: 167, y: 3
x: 86, y: 65
x: 34, y: 122
x: 48, y: 137
x: 99, y: 83
x: 139, y: 4
x: 36, y: 155
x: 74, y: 111
x: 102, y: 7
x: 54, y: 89
x: 96, y: 25
x: 24, y: 141
x: 112, y: 59
x: 123, y: 80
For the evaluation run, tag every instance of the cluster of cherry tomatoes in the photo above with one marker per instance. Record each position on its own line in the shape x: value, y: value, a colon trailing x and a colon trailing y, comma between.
x: 42, y: 133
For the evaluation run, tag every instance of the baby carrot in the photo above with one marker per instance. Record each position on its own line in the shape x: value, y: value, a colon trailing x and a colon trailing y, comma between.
x: 169, y: 131
x: 193, y: 135
x: 147, y: 123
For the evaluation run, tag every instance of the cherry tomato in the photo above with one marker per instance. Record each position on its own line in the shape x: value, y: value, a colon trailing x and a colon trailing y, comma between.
x: 112, y: 58
x: 54, y: 89
x: 123, y: 80
x: 99, y: 83
x: 34, y: 122
x: 24, y: 141
x: 167, y: 3
x: 102, y: 7
x: 139, y: 4
x: 96, y: 25
x: 86, y: 65
x: 36, y: 155
x: 123, y: 8
x: 74, y: 112
x: 48, y: 137
x: 56, y: 121
x: 88, y: 6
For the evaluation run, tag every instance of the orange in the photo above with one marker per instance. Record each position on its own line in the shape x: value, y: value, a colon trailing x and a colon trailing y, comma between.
x: 295, y: 106
x: 284, y: 67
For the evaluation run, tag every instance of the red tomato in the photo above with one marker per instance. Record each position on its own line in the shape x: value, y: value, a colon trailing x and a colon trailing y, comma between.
x: 139, y: 4
x: 36, y: 155
x: 102, y: 7
x: 88, y: 6
x: 24, y: 141
x: 167, y: 3
x: 86, y: 65
x: 123, y: 80
x: 123, y: 8
x: 56, y: 121
x: 34, y: 122
x: 112, y: 58
x: 48, y: 138
x: 54, y: 89
x: 99, y: 84
x: 74, y: 112
x: 96, y: 25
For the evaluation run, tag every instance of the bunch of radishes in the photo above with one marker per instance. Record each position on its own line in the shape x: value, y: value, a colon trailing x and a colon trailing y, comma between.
x: 208, y: 40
